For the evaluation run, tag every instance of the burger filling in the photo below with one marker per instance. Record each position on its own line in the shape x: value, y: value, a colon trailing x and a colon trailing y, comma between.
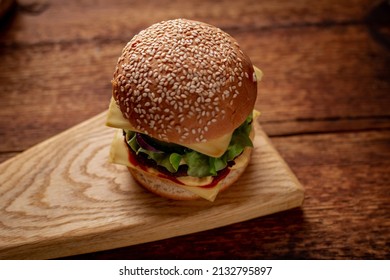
x: 181, y: 161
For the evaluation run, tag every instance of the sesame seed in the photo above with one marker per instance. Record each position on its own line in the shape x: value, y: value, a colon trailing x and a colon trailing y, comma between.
x: 172, y: 61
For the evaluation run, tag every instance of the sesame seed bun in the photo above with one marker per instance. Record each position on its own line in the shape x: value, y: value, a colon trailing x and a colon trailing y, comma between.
x: 171, y: 190
x: 184, y: 82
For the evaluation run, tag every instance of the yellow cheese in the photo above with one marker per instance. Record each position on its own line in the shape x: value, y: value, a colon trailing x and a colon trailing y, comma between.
x: 206, y: 193
x: 115, y: 118
x: 213, y: 148
x: 259, y: 73
x: 118, y: 150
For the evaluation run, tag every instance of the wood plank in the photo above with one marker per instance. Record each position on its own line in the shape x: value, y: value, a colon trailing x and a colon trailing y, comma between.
x: 345, y: 215
x: 59, y: 80
x: 8, y: 155
x: 59, y: 194
x: 56, y: 21
x: 328, y: 125
x: 51, y: 88
x: 346, y: 177
x: 317, y: 56
x: 333, y: 73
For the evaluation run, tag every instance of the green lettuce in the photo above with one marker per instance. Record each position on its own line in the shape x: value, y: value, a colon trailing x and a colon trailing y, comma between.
x: 199, y: 165
x: 170, y: 161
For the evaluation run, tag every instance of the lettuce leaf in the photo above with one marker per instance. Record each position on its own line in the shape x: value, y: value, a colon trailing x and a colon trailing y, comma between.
x: 170, y: 161
x: 199, y: 165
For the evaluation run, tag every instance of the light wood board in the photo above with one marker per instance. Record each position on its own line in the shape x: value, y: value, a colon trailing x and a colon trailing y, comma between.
x: 62, y: 197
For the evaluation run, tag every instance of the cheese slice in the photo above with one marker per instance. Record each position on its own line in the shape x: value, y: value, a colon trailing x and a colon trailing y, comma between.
x: 258, y: 73
x: 213, y: 148
x: 115, y: 118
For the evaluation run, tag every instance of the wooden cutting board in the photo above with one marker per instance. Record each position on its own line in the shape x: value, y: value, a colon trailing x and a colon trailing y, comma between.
x: 62, y: 197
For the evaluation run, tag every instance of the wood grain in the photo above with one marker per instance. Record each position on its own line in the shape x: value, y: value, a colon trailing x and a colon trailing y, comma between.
x: 64, y: 65
x: 345, y: 214
x: 82, y: 21
x: 324, y: 99
x: 59, y: 194
x: 312, y: 92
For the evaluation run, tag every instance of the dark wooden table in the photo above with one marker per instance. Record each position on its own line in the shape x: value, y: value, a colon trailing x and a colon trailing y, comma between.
x: 325, y: 99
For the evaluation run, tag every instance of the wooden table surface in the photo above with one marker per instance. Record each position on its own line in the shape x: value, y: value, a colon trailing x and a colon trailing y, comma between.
x: 325, y: 102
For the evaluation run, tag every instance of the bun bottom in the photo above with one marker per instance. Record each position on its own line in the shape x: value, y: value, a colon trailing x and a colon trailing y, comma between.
x: 171, y: 190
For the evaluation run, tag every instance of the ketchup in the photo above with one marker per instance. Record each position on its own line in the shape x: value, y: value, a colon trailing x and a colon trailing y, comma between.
x: 135, y: 160
x: 172, y: 178
x: 216, y: 179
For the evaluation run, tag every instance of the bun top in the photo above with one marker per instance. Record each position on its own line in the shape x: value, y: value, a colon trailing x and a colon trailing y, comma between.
x: 184, y: 82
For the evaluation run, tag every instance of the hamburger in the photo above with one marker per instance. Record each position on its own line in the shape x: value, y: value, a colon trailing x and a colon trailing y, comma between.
x: 183, y: 96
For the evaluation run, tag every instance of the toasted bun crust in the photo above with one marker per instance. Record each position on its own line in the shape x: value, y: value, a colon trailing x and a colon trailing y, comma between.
x: 169, y: 189
x: 184, y: 81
